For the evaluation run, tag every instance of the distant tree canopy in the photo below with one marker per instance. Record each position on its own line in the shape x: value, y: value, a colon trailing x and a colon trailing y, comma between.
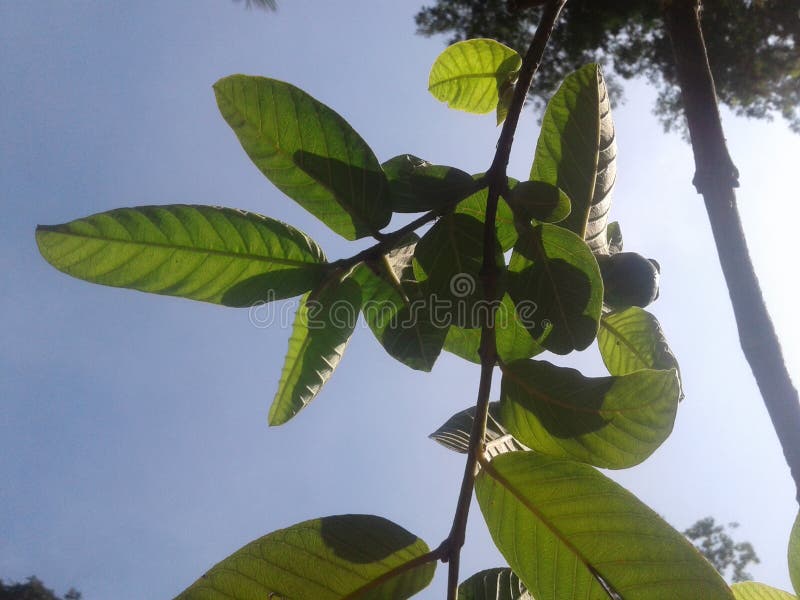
x: 752, y: 45
x: 33, y: 589
x: 728, y: 557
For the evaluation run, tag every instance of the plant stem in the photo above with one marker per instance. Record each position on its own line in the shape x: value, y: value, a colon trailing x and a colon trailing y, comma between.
x: 715, y: 178
x: 497, y: 184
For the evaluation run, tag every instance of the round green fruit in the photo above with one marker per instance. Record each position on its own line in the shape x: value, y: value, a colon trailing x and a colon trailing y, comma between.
x: 629, y: 279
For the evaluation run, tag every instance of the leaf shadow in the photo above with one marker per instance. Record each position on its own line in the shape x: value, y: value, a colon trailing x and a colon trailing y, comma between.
x: 273, y: 285
x: 360, y: 192
x: 364, y: 539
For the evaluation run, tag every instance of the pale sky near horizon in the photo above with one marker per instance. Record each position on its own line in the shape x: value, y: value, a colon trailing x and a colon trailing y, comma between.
x: 134, y: 449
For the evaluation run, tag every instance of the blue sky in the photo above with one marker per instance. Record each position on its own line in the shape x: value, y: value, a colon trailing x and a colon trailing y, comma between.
x: 133, y: 439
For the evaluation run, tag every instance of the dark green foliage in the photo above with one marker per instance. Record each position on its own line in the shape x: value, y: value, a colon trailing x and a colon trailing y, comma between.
x: 628, y: 38
x: 33, y: 589
x: 730, y: 558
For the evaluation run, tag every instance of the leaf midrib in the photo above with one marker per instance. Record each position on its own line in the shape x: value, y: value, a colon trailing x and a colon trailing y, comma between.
x: 191, y: 249
x: 616, y: 333
x: 502, y: 481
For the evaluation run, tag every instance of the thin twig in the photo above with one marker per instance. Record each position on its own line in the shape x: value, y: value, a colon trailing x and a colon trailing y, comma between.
x: 497, y: 184
x: 715, y: 178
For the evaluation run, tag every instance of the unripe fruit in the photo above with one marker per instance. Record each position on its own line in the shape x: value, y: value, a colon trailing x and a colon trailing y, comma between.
x: 629, y: 279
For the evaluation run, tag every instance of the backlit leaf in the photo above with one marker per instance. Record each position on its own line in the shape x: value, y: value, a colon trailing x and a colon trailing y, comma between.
x: 322, y: 327
x: 555, y: 269
x: 758, y: 591
x: 308, y: 151
x: 395, y: 310
x: 447, y: 264
x: 577, y: 152
x: 352, y: 557
x: 569, y: 532
x: 493, y: 584
x: 611, y: 422
x: 471, y: 75
x: 512, y: 338
x: 631, y: 340
x: 218, y: 255
x: 794, y: 555
x: 475, y: 206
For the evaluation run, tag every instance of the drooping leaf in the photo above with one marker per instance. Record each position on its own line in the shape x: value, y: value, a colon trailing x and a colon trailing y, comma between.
x: 207, y: 253
x: 323, y: 324
x: 794, y: 555
x: 610, y: 422
x: 555, y: 269
x: 750, y: 590
x: 493, y: 584
x: 342, y: 557
x: 471, y: 75
x: 308, y: 151
x: 415, y: 185
x: 569, y: 532
x: 631, y: 340
x: 454, y: 433
x: 577, y: 152
x: 540, y: 201
x: 396, y: 312
x: 475, y: 206
x: 512, y: 337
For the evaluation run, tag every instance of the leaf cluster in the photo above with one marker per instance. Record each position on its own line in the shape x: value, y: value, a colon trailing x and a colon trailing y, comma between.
x: 558, y: 281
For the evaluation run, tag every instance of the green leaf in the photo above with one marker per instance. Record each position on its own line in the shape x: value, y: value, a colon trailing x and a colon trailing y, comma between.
x: 794, y: 555
x: 569, y: 532
x: 758, y: 591
x: 447, y: 264
x: 218, y: 255
x: 610, y: 422
x: 631, y: 340
x: 475, y: 206
x: 323, y: 325
x: 308, y: 151
x: 454, y: 433
x: 577, y: 152
x: 536, y: 200
x: 512, y: 338
x: 416, y: 185
x: 342, y: 557
x: 470, y: 75
x: 395, y: 310
x: 413, y: 338
x: 555, y: 269
x: 493, y: 584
